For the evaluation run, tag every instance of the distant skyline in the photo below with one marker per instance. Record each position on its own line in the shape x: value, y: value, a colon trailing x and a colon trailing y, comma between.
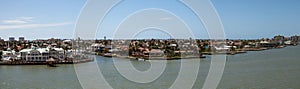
x: 242, y: 19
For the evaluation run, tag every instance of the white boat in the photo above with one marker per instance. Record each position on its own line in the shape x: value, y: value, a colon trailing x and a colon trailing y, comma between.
x: 6, y: 59
x: 140, y: 59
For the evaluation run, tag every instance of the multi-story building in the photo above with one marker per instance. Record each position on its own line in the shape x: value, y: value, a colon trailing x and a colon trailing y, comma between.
x: 11, y: 38
x: 41, y: 54
x: 8, y: 55
x: 295, y: 38
x: 21, y: 39
x: 1, y: 40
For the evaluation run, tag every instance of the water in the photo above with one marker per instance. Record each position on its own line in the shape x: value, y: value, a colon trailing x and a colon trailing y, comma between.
x: 276, y: 68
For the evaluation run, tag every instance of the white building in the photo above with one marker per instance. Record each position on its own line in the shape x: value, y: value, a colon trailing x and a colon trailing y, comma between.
x: 9, y: 55
x: 41, y: 54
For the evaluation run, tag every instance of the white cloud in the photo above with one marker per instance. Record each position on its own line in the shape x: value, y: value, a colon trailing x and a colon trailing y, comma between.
x: 166, y: 18
x: 28, y: 26
x: 16, y: 21
x: 26, y: 18
x: 20, y: 20
x: 26, y: 23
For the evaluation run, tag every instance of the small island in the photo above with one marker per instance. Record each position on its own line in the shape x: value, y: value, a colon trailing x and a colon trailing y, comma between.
x: 184, y: 48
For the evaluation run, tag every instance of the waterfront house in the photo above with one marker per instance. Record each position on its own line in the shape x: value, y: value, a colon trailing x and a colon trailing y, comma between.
x: 41, y: 54
x: 156, y: 53
x: 9, y: 55
x: 97, y: 47
x: 268, y: 44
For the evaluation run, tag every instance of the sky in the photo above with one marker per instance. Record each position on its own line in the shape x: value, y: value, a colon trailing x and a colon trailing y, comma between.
x: 242, y: 19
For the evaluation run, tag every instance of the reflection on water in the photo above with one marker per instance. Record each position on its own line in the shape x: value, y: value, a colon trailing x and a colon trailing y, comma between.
x: 276, y: 68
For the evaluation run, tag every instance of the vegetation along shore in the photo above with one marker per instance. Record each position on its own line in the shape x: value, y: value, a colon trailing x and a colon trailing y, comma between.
x: 66, y: 51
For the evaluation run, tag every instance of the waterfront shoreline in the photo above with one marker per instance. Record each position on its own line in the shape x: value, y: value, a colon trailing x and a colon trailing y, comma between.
x: 39, y: 52
x: 45, y: 63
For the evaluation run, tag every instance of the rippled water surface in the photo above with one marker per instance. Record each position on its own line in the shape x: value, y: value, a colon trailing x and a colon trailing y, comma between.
x: 276, y: 68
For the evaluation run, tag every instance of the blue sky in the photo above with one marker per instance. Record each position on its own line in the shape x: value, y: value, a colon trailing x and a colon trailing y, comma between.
x: 41, y: 19
x: 242, y: 19
x: 259, y: 18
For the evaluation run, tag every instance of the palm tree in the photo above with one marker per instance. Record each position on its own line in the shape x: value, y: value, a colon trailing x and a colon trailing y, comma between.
x: 65, y: 48
x: 1, y: 53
